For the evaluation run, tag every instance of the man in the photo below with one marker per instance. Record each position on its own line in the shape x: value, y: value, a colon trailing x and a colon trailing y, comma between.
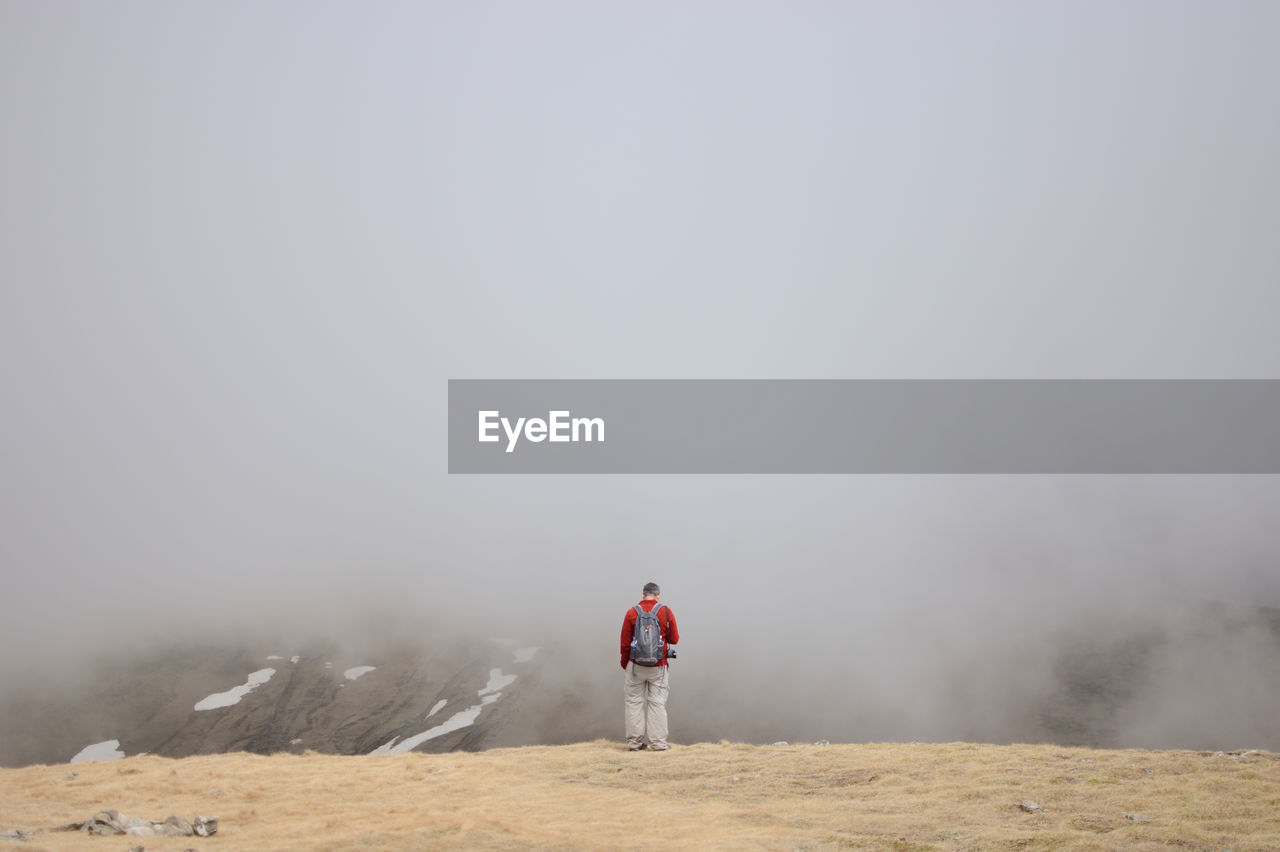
x: 645, y: 685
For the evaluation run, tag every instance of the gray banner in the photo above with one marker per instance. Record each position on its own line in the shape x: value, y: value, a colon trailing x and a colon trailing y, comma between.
x: 855, y: 426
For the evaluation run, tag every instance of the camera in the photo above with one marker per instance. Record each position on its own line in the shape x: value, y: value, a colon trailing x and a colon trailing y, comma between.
x: 671, y: 652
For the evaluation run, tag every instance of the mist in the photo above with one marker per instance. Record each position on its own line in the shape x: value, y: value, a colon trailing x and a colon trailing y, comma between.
x: 243, y: 249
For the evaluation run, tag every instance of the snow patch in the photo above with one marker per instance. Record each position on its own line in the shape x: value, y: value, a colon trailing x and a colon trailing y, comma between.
x: 275, y: 657
x: 355, y: 672
x: 491, y: 693
x: 233, y: 696
x: 294, y: 659
x: 456, y: 722
x: 105, y: 750
x: 524, y: 655
x: 295, y: 741
x: 439, y: 706
x: 497, y: 682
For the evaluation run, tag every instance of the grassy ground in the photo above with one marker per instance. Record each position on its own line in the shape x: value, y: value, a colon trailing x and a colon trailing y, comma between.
x: 955, y: 796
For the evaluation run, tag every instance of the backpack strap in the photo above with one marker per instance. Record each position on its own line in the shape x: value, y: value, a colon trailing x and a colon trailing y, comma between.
x: 662, y: 631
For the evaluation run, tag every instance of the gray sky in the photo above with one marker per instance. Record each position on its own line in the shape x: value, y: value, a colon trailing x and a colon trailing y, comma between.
x: 243, y: 246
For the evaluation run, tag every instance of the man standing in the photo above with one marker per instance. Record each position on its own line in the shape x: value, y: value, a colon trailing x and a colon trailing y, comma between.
x: 648, y: 629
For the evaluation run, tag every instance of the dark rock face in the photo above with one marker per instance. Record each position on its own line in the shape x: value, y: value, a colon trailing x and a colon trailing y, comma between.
x: 266, y: 703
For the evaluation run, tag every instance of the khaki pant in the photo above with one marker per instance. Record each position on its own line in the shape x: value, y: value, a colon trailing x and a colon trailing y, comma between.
x: 644, y: 690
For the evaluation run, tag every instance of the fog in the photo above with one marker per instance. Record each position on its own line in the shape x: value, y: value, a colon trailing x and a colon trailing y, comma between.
x: 243, y: 249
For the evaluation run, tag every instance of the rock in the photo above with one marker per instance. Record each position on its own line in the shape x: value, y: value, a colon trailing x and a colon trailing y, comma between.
x: 176, y: 826
x: 110, y: 823
x: 107, y: 823
x: 1137, y: 817
x: 70, y: 777
x: 16, y: 834
x: 781, y: 742
x: 1030, y: 806
x: 823, y: 743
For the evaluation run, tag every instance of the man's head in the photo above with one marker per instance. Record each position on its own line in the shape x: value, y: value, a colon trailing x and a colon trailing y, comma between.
x: 651, y: 591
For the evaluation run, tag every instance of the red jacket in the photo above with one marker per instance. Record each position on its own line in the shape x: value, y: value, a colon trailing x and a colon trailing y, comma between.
x: 666, y: 620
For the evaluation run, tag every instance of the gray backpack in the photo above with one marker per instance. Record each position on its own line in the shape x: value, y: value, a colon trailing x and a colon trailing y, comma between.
x: 646, y: 645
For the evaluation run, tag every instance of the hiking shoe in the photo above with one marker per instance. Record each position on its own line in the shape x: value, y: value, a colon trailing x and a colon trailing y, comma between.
x: 659, y: 748
x: 637, y: 747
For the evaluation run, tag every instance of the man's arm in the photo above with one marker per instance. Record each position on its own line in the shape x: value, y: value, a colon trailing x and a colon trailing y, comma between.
x: 673, y: 632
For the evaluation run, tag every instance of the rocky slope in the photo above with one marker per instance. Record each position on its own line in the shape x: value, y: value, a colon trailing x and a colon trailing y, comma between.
x: 1205, y: 678
x: 463, y: 695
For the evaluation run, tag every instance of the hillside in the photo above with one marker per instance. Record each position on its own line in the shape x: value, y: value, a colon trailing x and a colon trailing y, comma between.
x: 902, y: 797
x: 219, y: 698
x: 1200, y: 679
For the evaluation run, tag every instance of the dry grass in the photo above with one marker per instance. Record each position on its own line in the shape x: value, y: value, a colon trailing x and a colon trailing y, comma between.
x: 956, y: 796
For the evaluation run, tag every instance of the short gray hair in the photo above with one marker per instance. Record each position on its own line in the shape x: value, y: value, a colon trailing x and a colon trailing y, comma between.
x: 652, y: 589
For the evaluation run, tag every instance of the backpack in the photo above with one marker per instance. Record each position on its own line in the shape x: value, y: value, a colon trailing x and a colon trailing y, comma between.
x: 647, y: 644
